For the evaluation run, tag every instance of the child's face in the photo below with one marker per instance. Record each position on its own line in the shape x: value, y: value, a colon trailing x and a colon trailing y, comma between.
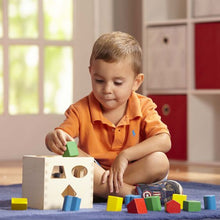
x: 113, y: 83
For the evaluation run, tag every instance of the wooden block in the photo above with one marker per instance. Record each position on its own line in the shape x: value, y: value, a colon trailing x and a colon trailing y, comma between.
x: 179, y: 198
x: 19, y: 203
x: 209, y: 202
x: 137, y: 206
x: 153, y: 203
x: 71, y: 149
x: 46, y: 192
x: 67, y: 203
x: 191, y: 206
x: 114, y: 204
x: 75, y: 204
x: 172, y: 207
x: 129, y: 198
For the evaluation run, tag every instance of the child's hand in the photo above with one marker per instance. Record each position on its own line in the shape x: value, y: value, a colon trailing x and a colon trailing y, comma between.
x: 56, y: 141
x: 116, y: 172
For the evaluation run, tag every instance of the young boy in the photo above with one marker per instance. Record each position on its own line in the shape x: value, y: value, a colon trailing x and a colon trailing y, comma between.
x: 118, y: 127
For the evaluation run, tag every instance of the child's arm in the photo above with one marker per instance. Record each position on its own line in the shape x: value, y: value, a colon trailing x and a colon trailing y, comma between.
x: 157, y: 143
x: 56, y: 141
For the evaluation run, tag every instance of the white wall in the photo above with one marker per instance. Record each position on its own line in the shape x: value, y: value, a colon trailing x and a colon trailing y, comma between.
x: 24, y: 134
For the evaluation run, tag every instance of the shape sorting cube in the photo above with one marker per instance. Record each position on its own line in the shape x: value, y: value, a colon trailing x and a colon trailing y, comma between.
x: 129, y: 198
x: 137, y: 206
x: 179, y: 198
x: 114, y: 204
x: 153, y: 203
x: 172, y: 206
x: 191, y: 206
x: 71, y: 149
x: 46, y: 191
x: 19, y: 203
x: 209, y: 202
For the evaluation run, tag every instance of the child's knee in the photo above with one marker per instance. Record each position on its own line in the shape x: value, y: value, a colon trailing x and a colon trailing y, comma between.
x: 161, y: 163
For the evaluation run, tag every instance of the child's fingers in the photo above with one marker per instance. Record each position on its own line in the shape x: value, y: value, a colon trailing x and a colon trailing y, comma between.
x: 56, y: 149
x: 120, y: 179
x: 105, y: 176
x: 116, y: 183
x: 110, y: 182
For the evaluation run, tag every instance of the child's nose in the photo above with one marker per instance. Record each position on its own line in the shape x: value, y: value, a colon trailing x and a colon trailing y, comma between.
x: 107, y: 88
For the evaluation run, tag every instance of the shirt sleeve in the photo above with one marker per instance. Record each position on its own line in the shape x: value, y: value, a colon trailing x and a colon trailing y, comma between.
x: 71, y: 123
x: 151, y: 122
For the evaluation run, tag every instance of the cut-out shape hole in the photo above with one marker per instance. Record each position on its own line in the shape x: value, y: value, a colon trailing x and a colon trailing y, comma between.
x: 79, y: 171
x: 69, y: 191
x: 58, y: 172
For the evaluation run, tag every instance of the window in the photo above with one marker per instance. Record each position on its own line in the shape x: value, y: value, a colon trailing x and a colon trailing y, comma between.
x: 36, y: 56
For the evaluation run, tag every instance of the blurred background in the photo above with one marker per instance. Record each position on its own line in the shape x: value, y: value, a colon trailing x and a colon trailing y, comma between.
x: 45, y: 47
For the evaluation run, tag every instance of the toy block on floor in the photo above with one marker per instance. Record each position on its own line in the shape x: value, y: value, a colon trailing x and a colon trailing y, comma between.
x: 179, y: 198
x: 46, y: 192
x: 19, y: 203
x: 75, y: 204
x: 114, y: 204
x: 137, y: 206
x: 209, y: 202
x: 172, y: 206
x: 67, y: 203
x: 71, y: 203
x: 71, y: 149
x: 191, y: 206
x: 153, y: 203
x: 129, y: 198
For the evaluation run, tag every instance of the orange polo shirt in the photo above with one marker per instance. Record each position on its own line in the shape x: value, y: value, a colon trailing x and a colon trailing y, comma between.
x: 103, y: 140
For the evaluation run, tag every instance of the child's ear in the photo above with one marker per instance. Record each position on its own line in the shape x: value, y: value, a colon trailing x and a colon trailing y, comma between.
x: 138, y: 81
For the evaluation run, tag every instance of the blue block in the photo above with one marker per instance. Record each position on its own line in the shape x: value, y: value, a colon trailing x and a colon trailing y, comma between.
x: 209, y: 202
x: 67, y: 203
x: 71, y: 203
x: 129, y: 198
x: 75, y: 204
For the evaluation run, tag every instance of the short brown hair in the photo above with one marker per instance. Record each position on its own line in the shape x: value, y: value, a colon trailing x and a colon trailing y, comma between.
x: 112, y: 47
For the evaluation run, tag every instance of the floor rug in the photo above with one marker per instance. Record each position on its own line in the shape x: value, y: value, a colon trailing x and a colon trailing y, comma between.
x: 194, y: 191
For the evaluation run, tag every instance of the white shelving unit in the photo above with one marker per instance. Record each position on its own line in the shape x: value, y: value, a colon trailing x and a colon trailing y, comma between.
x: 203, y: 105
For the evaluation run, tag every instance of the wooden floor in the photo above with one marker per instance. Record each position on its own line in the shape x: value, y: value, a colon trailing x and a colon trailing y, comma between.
x: 11, y: 172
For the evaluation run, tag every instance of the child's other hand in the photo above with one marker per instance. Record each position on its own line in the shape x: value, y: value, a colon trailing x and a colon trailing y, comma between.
x: 56, y: 141
x: 116, y: 173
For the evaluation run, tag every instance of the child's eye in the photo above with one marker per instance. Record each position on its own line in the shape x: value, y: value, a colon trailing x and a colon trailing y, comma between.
x: 118, y: 83
x: 99, y: 80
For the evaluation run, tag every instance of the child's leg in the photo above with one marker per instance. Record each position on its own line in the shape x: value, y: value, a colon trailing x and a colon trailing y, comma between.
x: 149, y: 169
x: 102, y: 189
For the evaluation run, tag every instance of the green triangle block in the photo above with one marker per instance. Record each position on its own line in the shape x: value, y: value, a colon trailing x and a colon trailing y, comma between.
x: 153, y: 203
x: 71, y: 149
x: 191, y: 206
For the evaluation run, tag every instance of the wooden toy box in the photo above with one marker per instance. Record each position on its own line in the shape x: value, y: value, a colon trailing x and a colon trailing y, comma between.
x: 47, y: 179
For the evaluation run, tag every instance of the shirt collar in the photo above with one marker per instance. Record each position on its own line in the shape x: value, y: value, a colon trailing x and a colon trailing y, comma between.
x: 133, y: 109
